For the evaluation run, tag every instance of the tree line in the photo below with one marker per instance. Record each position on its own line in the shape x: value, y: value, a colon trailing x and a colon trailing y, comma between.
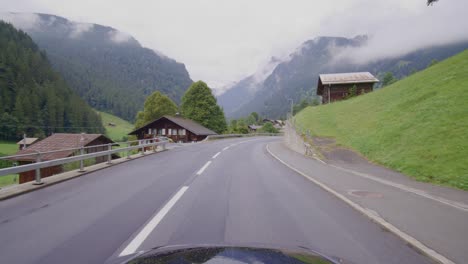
x: 35, y: 100
x: 198, y: 104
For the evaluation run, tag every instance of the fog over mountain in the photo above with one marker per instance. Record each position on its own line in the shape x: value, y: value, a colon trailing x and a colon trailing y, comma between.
x: 222, y: 42
x: 296, y: 76
x: 106, y: 67
x: 229, y: 44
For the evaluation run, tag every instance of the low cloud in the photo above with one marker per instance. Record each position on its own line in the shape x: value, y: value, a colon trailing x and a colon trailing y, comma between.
x: 223, y: 41
x: 24, y: 21
x: 397, y: 34
x: 78, y: 29
x: 119, y: 36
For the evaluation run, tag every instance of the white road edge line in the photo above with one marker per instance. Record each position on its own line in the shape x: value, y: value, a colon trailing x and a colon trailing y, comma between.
x: 151, y: 225
x: 405, y: 237
x: 226, y: 148
x: 216, y: 155
x: 319, y: 160
x: 456, y: 205
x: 204, y: 167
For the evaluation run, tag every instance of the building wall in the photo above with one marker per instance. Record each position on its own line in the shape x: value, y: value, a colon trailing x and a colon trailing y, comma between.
x: 98, y: 142
x: 28, y: 176
x: 339, y: 92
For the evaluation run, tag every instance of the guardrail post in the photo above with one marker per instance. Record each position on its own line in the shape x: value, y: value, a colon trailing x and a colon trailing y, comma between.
x: 38, y: 180
x: 128, y: 150
x: 142, y: 148
x: 109, y: 156
x: 154, y: 146
x: 82, y: 161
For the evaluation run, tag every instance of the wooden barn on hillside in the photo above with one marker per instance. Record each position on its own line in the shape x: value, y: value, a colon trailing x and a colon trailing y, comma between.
x: 337, y: 86
x: 177, y: 128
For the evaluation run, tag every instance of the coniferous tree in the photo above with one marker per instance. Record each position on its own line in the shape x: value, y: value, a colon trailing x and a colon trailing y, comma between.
x: 34, y: 98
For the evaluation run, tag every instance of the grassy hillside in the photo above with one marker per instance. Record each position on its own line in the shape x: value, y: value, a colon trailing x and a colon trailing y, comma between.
x: 7, y: 148
x: 121, y: 128
x: 418, y: 125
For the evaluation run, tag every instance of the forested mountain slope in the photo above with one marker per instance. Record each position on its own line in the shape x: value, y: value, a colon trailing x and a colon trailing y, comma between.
x: 33, y: 98
x: 107, y: 68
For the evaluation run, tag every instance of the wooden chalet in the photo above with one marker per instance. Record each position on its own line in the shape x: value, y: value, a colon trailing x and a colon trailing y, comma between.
x: 337, y: 86
x: 26, y: 142
x: 253, y: 128
x: 59, y: 141
x: 177, y: 128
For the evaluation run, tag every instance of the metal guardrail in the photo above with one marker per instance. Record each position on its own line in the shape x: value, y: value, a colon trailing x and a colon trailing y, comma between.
x: 72, y: 149
x: 38, y: 165
x: 241, y: 135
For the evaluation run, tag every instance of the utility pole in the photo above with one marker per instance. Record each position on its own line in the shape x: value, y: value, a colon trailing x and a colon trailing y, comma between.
x: 24, y: 141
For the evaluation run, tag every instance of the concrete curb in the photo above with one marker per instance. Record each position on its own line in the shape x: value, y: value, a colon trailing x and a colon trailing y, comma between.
x: 55, y: 179
x: 432, y: 254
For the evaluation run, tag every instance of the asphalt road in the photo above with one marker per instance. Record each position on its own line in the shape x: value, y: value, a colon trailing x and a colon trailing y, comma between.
x: 227, y: 191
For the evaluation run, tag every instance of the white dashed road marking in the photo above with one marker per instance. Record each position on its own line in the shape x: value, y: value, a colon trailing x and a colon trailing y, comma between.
x: 151, y: 225
x: 204, y: 167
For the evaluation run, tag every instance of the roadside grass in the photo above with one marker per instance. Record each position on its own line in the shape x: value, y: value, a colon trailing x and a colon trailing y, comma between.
x: 418, y: 126
x: 76, y: 164
x: 7, y: 148
x: 7, y: 180
x: 120, y: 130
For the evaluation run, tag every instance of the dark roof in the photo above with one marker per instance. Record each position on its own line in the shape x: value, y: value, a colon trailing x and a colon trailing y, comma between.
x: 59, y: 141
x: 254, y: 127
x: 344, y: 78
x: 188, y: 124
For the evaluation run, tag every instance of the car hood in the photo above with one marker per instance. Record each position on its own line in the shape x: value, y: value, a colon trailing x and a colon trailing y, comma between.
x: 230, y: 254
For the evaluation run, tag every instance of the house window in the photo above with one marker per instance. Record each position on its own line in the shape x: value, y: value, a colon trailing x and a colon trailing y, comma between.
x: 163, y: 132
x: 182, y: 132
x: 149, y: 131
x: 174, y: 131
x: 169, y: 131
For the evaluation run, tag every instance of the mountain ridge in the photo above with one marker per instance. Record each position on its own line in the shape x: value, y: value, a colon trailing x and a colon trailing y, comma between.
x: 108, y: 68
x: 296, y: 77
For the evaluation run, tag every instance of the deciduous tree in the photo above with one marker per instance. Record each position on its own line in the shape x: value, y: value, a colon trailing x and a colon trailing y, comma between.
x: 156, y: 105
x: 199, y: 104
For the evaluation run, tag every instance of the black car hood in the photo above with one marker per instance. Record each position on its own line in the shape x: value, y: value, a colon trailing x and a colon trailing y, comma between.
x: 229, y: 254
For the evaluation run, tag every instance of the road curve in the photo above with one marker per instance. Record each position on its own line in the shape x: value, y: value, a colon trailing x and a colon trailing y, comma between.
x: 227, y: 191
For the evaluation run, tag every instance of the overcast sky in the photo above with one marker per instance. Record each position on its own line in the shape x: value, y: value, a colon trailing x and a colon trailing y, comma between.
x: 223, y: 41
